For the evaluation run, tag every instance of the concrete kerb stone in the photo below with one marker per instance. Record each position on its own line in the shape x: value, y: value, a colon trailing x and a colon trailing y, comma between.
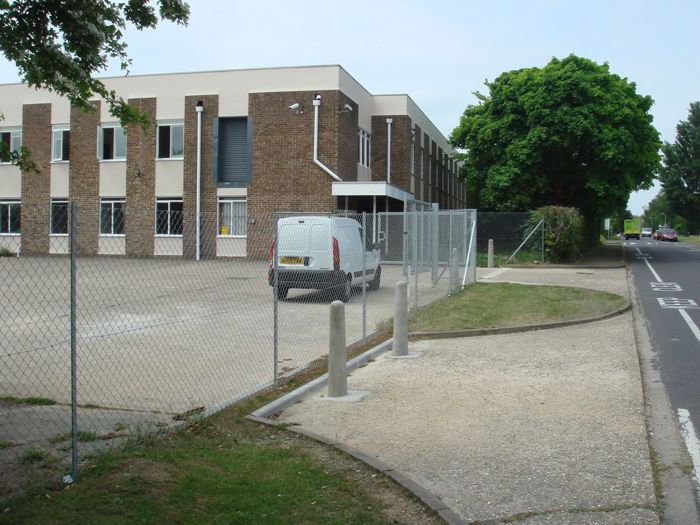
x: 310, y: 387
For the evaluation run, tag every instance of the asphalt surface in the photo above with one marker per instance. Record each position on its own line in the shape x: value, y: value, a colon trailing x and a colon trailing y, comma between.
x: 544, y: 426
x: 666, y: 278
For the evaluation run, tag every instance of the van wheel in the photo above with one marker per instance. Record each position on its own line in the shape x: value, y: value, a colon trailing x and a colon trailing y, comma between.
x: 282, y: 292
x: 345, y: 291
x: 374, y: 283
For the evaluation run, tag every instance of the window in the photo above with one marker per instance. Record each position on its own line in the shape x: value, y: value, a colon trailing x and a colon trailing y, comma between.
x: 10, y: 216
x: 232, y: 162
x: 12, y: 138
x: 111, y: 143
x: 59, y: 217
x: 61, y: 144
x: 420, y: 163
x: 232, y: 217
x: 171, y: 141
x: 365, y: 146
x: 112, y: 216
x: 169, y: 216
x: 412, y: 160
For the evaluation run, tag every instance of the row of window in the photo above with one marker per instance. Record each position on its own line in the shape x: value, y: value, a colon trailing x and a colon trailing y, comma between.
x: 111, y: 142
x: 231, y: 217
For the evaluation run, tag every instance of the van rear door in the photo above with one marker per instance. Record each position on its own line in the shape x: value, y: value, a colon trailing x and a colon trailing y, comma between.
x: 304, y: 245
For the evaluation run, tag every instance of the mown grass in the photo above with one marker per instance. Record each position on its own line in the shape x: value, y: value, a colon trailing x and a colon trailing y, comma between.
x: 37, y: 401
x: 227, y: 469
x: 693, y: 239
x: 487, y: 305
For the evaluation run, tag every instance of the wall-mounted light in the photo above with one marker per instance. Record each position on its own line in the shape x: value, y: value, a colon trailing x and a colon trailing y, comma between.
x: 296, y: 108
x: 346, y: 108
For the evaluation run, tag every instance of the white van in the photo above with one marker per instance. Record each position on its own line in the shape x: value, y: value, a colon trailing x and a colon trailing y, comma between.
x: 322, y: 253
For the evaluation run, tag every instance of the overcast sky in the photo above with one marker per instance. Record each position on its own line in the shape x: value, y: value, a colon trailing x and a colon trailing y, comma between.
x: 438, y: 52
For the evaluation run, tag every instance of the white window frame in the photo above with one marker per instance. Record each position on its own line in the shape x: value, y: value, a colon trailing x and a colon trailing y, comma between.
x: 412, y: 161
x: 171, y: 124
x: 169, y: 201
x: 15, y: 139
x: 231, y: 201
x: 57, y: 136
x: 53, y: 202
x: 117, y: 143
x: 111, y: 201
x: 365, y: 148
x: 9, y: 203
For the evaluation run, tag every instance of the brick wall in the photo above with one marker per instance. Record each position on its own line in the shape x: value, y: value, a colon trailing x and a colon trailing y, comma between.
x: 400, y: 150
x: 85, y: 176
x: 208, y: 204
x: 141, y: 181
x: 285, y: 176
x: 36, y: 135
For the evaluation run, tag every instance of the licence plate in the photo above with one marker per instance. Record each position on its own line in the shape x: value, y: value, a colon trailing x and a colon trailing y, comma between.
x: 291, y: 260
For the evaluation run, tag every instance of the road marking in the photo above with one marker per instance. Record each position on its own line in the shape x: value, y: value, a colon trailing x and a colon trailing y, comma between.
x: 691, y: 443
x: 675, y: 302
x: 656, y: 275
x: 666, y: 287
x: 693, y: 327
x: 495, y: 273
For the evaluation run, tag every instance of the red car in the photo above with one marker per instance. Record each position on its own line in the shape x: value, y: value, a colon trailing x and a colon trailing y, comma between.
x: 666, y: 234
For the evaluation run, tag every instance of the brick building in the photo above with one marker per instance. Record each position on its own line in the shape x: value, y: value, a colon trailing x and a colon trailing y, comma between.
x: 263, y: 140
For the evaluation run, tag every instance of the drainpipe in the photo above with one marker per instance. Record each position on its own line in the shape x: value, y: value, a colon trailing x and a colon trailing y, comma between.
x: 199, y: 108
x: 389, y: 120
x: 317, y: 103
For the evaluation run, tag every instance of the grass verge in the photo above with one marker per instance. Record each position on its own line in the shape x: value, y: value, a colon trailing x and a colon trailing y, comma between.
x: 490, y: 305
x: 693, y: 239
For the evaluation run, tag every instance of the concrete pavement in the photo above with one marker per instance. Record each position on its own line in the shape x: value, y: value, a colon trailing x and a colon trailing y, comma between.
x: 543, y: 426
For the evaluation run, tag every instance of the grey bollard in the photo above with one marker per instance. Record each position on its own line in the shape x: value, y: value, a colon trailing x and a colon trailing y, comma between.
x: 400, y: 344
x: 489, y: 262
x: 337, y: 358
x: 454, y: 269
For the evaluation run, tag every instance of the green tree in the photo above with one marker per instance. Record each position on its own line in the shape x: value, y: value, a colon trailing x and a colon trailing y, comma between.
x: 680, y: 175
x: 570, y: 134
x: 59, y: 45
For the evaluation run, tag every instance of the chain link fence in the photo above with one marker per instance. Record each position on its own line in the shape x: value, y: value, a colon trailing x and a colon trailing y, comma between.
x: 517, y: 237
x: 125, y: 333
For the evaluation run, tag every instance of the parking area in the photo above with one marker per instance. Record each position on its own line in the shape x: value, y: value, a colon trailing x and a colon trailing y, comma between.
x: 161, y: 337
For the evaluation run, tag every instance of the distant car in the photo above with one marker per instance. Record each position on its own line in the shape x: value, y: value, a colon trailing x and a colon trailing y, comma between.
x: 646, y: 232
x: 657, y: 234
x: 669, y: 234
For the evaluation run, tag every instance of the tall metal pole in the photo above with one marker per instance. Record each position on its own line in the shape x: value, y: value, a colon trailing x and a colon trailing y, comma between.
x: 73, y: 339
x: 364, y: 273
x: 275, y: 302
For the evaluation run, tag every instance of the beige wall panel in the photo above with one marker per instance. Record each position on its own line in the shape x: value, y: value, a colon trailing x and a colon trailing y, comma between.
x: 112, y: 179
x: 168, y: 246
x: 169, y: 178
x: 11, y: 187
x: 60, y: 179
x: 230, y: 247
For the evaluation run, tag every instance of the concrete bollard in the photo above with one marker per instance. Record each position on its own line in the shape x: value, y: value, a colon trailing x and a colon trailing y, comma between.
x: 454, y: 269
x: 400, y: 344
x: 489, y: 263
x: 337, y: 358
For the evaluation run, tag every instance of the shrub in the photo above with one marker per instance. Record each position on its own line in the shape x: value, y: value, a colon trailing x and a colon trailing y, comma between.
x: 563, y: 234
x: 6, y: 252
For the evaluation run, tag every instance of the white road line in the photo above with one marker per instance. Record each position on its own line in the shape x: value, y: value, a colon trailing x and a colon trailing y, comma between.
x: 691, y: 443
x: 656, y: 275
x: 693, y: 327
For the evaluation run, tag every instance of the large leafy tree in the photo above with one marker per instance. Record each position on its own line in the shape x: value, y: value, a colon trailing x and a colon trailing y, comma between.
x: 60, y: 45
x: 680, y: 175
x: 571, y: 133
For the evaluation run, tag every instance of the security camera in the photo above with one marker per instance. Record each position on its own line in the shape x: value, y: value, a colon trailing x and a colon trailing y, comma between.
x: 347, y: 108
x: 295, y: 106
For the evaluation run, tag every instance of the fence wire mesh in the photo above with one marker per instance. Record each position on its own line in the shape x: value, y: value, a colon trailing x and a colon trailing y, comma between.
x: 191, y: 319
x: 517, y: 237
